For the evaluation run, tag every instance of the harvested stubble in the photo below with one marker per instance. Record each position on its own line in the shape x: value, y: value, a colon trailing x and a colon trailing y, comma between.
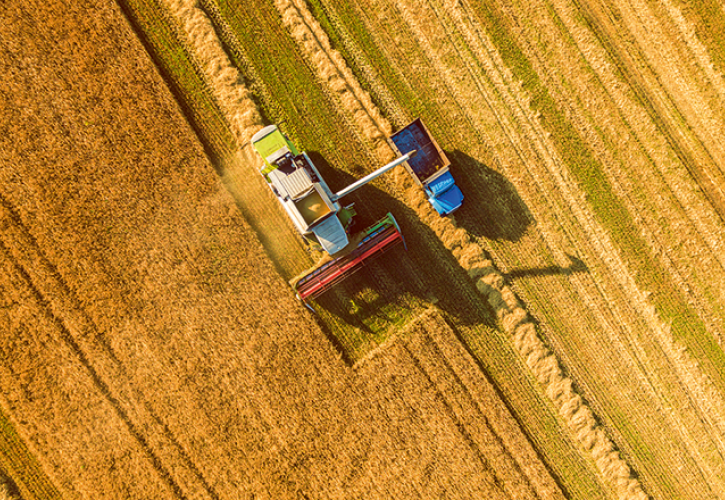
x: 503, y: 300
x: 539, y: 358
x: 691, y: 386
x: 679, y: 204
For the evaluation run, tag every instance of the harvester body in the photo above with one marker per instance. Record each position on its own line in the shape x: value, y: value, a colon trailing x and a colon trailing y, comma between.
x: 430, y: 168
x: 317, y: 214
x: 304, y: 195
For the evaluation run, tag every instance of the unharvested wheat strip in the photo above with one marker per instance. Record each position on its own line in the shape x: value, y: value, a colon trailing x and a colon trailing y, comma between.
x: 602, y: 116
x: 644, y: 311
x: 173, y: 453
x: 99, y: 360
x: 334, y: 73
x: 226, y: 82
x: 380, y: 373
x: 83, y: 422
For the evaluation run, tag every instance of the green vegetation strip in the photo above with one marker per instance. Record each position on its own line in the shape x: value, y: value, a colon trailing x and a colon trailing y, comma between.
x: 21, y: 465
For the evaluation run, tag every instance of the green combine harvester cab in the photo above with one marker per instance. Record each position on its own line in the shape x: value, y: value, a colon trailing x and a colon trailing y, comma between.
x: 317, y: 214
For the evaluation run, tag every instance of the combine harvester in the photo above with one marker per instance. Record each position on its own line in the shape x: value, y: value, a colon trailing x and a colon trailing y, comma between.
x: 317, y: 214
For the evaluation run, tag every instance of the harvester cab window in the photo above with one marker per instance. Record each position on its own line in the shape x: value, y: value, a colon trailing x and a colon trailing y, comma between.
x: 285, y: 164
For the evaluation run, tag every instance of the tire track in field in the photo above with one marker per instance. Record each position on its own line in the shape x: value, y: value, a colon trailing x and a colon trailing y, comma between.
x: 693, y: 381
x: 539, y: 358
x: 94, y: 354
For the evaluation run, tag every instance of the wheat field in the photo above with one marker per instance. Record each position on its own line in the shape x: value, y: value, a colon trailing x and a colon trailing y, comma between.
x: 558, y: 337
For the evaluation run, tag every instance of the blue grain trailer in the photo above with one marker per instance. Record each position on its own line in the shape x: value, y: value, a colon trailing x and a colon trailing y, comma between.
x: 429, y: 167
